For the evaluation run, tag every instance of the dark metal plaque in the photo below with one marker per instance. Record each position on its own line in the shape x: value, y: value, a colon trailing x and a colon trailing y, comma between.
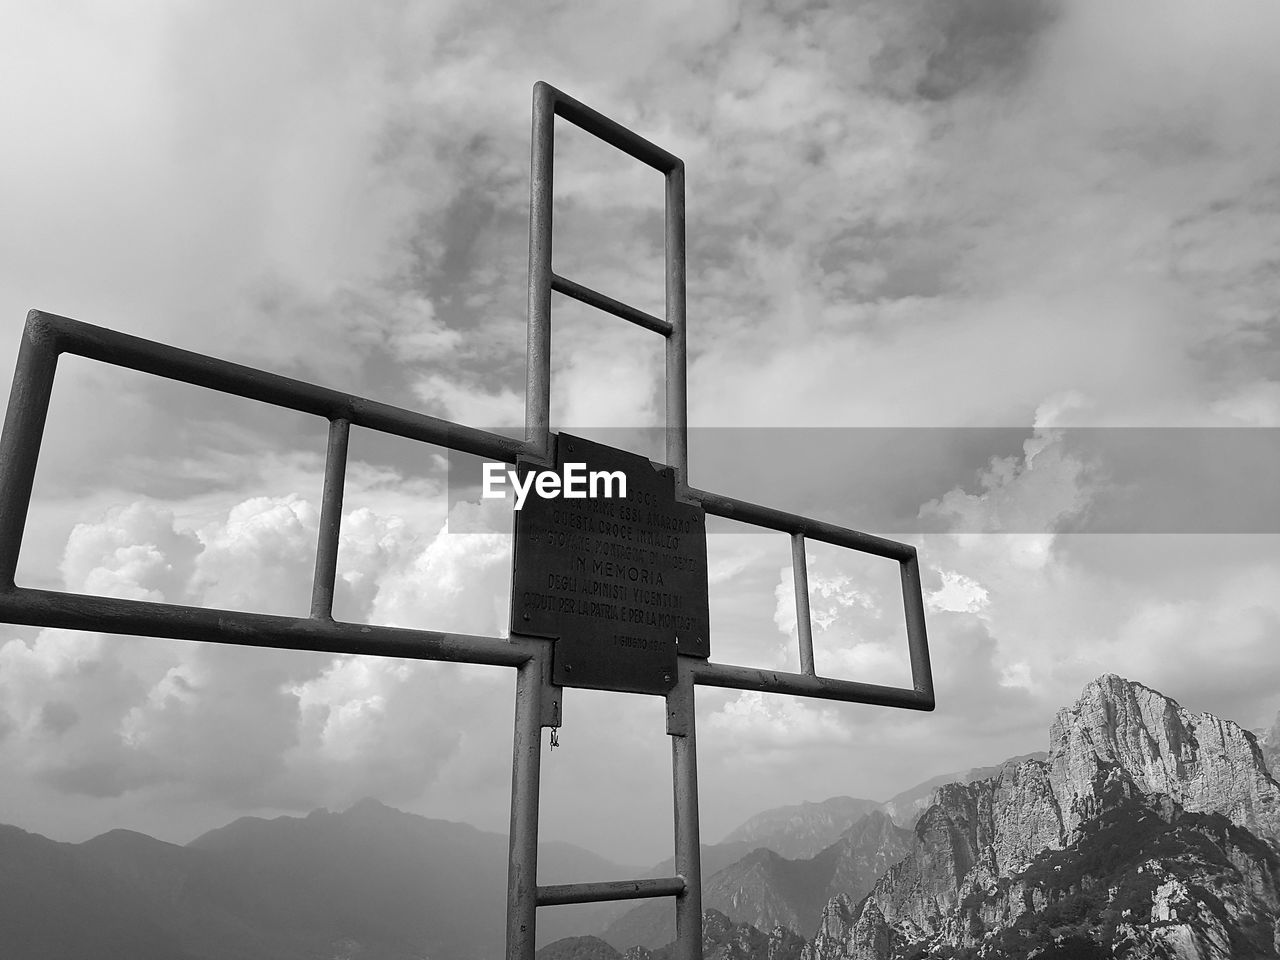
x: 620, y: 583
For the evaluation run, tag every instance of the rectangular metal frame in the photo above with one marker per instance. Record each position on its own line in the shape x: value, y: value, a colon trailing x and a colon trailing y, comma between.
x: 537, y: 700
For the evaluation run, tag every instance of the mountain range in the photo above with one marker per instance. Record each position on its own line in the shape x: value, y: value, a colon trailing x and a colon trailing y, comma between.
x: 370, y: 882
x: 1147, y: 830
x: 380, y: 884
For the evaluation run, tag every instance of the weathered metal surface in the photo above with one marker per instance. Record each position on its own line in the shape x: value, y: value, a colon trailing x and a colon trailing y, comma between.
x: 684, y: 778
x: 526, y: 772
x: 804, y: 619
x: 593, y: 298
x: 144, y: 618
x: 677, y: 358
x: 335, y: 479
x: 558, y: 894
x: 733, y: 677
x: 619, y: 583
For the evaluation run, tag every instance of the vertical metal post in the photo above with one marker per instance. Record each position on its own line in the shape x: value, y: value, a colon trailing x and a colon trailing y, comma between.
x: 804, y: 622
x: 918, y: 644
x: 684, y: 770
x: 537, y: 409
x: 20, y: 443
x: 677, y: 349
x: 526, y: 760
x: 335, y: 473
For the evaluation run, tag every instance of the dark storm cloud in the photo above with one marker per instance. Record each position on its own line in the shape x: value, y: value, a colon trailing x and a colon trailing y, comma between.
x: 100, y: 778
x: 58, y: 716
x: 981, y: 41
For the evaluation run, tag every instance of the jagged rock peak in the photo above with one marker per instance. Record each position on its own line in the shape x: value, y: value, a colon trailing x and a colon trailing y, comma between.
x: 1205, y: 763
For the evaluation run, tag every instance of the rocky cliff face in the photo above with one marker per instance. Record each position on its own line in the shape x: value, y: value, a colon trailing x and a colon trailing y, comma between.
x: 1141, y: 831
x: 1202, y: 762
x: 1269, y: 744
x: 862, y: 855
x: 908, y: 806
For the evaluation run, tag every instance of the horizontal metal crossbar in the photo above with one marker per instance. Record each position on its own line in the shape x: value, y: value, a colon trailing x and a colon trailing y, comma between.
x: 552, y: 896
x: 47, y: 335
x: 802, y: 685
x: 733, y: 509
x: 598, y: 125
x: 609, y: 305
x: 74, y: 611
x: 64, y: 335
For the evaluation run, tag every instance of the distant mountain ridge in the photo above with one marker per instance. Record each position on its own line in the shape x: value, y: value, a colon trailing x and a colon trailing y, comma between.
x: 722, y: 939
x: 383, y: 884
x: 804, y: 829
x: 768, y: 891
x: 369, y: 882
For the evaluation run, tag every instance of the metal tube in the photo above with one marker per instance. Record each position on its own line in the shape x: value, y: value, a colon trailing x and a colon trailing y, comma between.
x: 677, y: 345
x: 522, y: 865
x: 20, y: 443
x: 609, y: 890
x: 335, y: 475
x: 753, y: 513
x: 141, y: 618
x: 804, y: 622
x: 147, y: 356
x: 684, y: 770
x: 610, y: 131
x: 598, y: 300
x: 917, y: 638
x: 537, y: 403
x: 798, y: 685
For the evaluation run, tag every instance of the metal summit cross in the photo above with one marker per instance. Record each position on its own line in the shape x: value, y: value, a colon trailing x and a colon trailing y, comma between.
x: 556, y: 639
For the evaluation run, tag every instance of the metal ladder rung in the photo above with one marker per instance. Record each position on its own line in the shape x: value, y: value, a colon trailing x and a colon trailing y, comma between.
x: 601, y: 302
x: 610, y: 890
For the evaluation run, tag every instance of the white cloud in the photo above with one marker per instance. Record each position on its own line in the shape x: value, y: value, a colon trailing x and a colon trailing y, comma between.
x: 135, y: 552
x: 958, y: 594
x: 764, y: 723
x: 473, y: 405
x: 249, y: 728
x: 260, y: 558
x: 1255, y: 404
x: 456, y: 581
x: 370, y: 544
x: 1032, y: 494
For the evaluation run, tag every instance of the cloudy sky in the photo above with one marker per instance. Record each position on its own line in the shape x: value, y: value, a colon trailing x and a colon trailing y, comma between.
x: 999, y: 277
